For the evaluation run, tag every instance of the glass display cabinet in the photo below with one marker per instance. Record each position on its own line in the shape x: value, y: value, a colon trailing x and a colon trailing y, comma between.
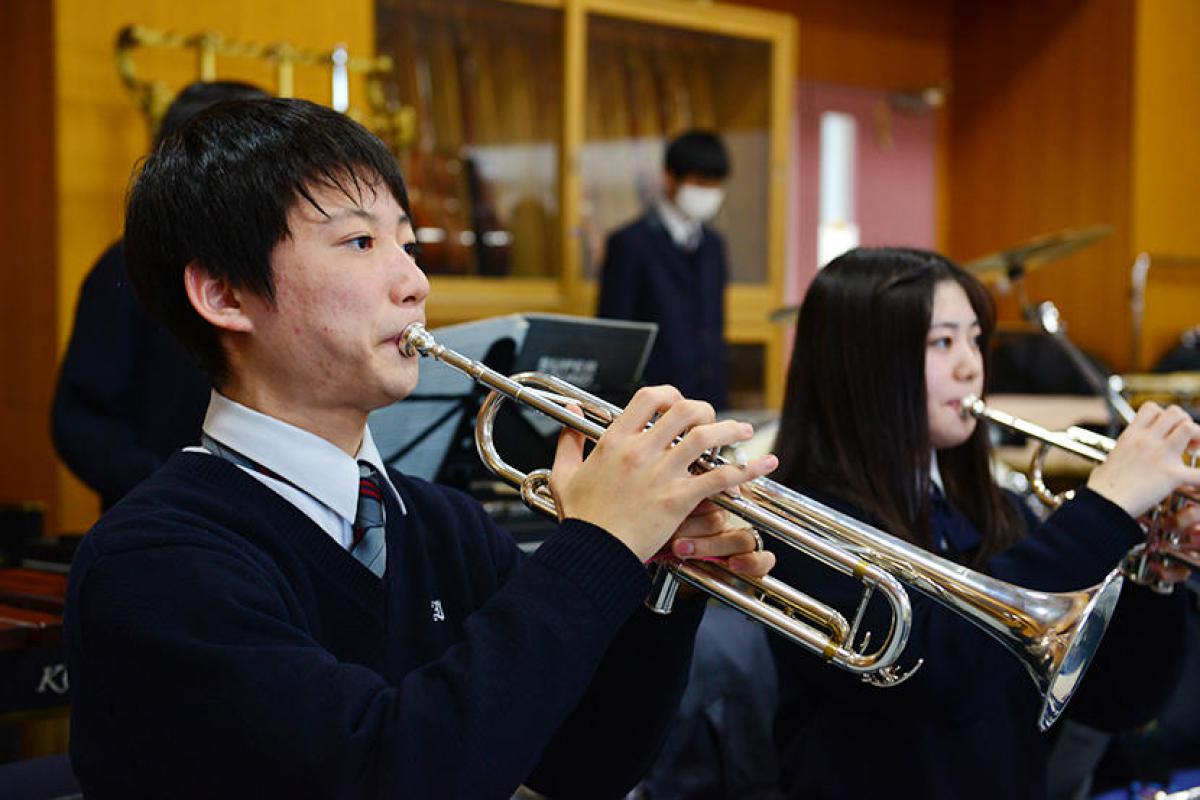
x: 541, y: 126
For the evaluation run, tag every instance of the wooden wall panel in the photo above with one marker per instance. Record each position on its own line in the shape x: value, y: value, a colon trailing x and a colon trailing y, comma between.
x: 1172, y: 306
x: 102, y: 135
x: 1060, y: 114
x: 880, y: 44
x: 27, y: 277
x: 1166, y: 165
x: 1167, y: 116
x: 1040, y: 140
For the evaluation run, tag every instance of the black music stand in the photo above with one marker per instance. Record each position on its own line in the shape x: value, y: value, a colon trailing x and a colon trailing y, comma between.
x: 430, y: 433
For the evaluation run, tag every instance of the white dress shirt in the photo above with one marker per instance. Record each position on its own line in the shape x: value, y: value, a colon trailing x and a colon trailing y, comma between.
x: 320, y: 479
x: 683, y: 230
x: 935, y: 474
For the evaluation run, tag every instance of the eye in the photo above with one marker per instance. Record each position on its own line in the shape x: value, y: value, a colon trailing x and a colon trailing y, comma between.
x: 412, y: 249
x: 941, y: 342
x: 361, y: 243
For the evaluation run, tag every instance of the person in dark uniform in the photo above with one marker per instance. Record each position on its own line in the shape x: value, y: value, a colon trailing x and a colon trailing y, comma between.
x: 888, y: 343
x: 670, y: 268
x: 275, y: 613
x: 128, y: 394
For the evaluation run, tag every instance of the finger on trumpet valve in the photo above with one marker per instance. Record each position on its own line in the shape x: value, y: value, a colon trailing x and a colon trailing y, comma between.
x: 735, y: 455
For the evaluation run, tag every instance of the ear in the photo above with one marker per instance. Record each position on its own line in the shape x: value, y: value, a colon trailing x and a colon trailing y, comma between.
x: 215, y: 300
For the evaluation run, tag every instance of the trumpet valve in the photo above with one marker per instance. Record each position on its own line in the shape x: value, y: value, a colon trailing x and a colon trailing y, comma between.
x: 894, y: 675
x: 1137, y: 567
x: 663, y: 588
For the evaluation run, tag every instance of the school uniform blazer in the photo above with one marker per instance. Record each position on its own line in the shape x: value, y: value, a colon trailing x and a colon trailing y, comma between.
x: 647, y: 277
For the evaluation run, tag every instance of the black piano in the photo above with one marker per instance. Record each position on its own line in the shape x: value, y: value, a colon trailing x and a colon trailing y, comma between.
x: 33, y: 669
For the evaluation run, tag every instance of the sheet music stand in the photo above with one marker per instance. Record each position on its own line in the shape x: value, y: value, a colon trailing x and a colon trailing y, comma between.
x: 430, y: 434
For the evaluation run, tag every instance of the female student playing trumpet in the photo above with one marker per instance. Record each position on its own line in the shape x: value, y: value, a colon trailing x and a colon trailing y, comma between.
x: 888, y: 343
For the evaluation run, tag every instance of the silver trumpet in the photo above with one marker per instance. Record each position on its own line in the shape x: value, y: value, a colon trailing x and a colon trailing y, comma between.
x: 1054, y: 634
x: 1079, y: 442
x: 1163, y: 543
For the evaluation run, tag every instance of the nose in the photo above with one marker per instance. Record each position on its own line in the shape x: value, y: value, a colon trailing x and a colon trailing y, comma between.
x: 409, y: 285
x: 969, y: 364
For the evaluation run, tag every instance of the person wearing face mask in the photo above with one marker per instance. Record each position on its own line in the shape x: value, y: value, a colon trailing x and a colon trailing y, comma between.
x: 669, y: 267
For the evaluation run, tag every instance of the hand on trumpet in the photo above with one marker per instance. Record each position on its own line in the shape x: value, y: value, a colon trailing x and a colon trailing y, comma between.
x: 638, y: 485
x: 1147, y: 463
x: 712, y: 532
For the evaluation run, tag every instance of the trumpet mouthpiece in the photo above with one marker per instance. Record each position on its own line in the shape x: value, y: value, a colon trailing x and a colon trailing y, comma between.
x: 970, y: 405
x: 415, y: 340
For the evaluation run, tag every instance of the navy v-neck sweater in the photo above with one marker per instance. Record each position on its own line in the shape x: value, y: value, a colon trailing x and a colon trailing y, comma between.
x: 222, y: 645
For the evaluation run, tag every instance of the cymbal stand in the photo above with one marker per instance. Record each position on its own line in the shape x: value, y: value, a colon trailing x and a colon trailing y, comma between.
x: 1137, y: 304
x: 1047, y: 317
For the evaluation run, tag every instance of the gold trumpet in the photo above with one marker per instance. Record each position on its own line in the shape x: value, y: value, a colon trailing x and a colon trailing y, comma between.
x: 1163, y: 543
x: 1054, y: 634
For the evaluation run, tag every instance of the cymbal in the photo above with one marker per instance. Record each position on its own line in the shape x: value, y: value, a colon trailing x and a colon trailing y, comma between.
x: 785, y: 315
x: 1035, y: 252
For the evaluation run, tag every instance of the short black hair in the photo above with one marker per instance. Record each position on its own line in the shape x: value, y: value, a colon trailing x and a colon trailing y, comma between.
x: 199, y: 95
x: 217, y: 192
x: 699, y: 153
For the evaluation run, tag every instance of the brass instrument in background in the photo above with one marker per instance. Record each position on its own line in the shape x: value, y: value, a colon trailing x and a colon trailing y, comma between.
x: 1168, y: 387
x: 1054, y: 634
x: 1162, y: 544
x: 393, y: 123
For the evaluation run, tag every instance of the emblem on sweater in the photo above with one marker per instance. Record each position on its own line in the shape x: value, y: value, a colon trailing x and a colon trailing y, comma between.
x: 438, y: 614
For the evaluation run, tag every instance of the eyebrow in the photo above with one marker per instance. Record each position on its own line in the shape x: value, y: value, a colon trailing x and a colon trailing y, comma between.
x: 359, y: 213
x: 954, y: 325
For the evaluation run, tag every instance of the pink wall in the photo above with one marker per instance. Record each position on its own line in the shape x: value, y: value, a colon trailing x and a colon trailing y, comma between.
x: 894, y: 173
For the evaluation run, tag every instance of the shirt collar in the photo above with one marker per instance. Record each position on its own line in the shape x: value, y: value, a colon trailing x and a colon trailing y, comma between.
x: 935, y: 474
x: 685, y: 232
x: 312, y: 464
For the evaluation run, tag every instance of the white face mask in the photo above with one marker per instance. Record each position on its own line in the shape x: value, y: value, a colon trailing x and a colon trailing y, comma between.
x: 699, y: 203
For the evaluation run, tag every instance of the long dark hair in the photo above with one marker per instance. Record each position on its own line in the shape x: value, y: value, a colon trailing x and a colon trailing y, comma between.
x: 855, y: 422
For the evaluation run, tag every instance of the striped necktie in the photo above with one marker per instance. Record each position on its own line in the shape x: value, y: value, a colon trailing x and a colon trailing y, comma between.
x: 367, y: 543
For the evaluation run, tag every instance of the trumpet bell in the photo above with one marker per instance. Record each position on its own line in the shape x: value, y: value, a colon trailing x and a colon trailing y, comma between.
x: 1058, y: 662
x: 1054, y: 634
